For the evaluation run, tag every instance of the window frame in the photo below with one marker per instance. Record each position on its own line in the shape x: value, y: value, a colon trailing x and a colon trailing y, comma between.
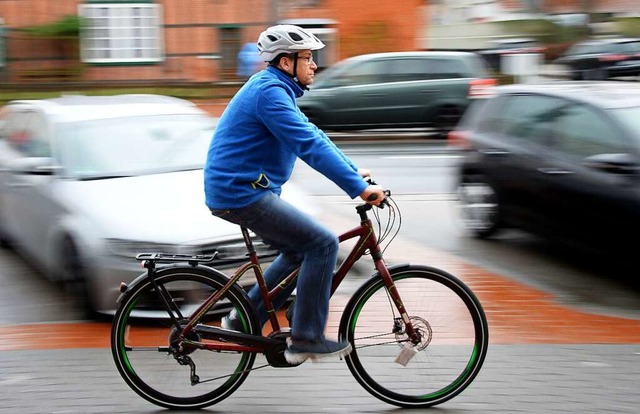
x: 143, y: 33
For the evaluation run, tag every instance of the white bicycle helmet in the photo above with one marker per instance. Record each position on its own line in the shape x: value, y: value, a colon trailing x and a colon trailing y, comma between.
x: 286, y: 38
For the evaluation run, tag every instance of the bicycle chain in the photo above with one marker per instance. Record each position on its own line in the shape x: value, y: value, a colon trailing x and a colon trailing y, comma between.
x: 235, y: 373
x: 395, y: 341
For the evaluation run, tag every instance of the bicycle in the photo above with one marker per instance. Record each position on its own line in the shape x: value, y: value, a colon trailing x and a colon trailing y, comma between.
x: 419, y: 334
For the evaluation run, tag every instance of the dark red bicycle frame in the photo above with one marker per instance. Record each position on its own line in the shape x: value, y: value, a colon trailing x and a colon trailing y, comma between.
x: 367, y: 240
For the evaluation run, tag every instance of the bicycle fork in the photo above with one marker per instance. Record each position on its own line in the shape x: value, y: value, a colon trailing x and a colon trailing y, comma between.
x: 413, y: 335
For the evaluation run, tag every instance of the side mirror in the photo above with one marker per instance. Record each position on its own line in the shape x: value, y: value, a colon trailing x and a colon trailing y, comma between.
x: 613, y: 163
x: 34, y: 166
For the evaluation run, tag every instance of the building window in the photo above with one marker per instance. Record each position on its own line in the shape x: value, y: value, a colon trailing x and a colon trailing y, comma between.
x: 122, y: 33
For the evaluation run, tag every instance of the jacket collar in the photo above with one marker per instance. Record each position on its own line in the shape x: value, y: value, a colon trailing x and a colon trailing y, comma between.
x: 297, y: 90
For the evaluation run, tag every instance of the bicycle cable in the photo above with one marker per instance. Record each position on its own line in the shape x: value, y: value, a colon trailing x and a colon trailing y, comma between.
x: 392, y: 226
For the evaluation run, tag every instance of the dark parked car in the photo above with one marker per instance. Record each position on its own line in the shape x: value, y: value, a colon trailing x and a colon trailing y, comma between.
x: 603, y: 59
x: 391, y: 90
x: 559, y: 159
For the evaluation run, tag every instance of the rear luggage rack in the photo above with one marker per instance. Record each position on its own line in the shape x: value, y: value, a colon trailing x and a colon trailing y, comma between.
x: 193, y: 260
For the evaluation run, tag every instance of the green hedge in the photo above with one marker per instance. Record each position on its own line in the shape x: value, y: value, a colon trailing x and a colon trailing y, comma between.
x: 629, y: 26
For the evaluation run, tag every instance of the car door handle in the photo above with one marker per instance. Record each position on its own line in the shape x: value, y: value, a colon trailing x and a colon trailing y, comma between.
x: 554, y: 171
x: 373, y: 95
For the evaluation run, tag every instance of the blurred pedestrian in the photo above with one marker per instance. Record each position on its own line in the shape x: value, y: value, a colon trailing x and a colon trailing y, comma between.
x: 249, y: 61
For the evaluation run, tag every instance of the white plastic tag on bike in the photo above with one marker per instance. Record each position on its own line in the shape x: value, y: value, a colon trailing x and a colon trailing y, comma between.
x: 406, y: 354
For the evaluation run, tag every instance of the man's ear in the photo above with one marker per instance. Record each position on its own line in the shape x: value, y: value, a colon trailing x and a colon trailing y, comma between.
x: 284, y: 63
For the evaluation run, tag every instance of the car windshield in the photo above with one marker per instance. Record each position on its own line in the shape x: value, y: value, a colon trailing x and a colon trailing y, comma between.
x: 133, y: 146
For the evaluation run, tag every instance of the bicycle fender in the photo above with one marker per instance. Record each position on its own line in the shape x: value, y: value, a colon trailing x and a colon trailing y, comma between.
x: 392, y: 268
x: 395, y: 267
x: 126, y: 287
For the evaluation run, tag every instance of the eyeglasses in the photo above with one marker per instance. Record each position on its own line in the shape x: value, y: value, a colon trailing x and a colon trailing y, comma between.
x: 309, y: 59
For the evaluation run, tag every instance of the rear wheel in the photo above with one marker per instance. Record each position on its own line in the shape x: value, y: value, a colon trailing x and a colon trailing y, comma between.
x: 447, y: 118
x: 74, y: 278
x: 152, y: 358
x: 4, y: 242
x: 596, y: 74
x: 453, y: 337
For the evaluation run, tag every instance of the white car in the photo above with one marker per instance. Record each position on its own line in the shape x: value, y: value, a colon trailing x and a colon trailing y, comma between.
x: 86, y: 183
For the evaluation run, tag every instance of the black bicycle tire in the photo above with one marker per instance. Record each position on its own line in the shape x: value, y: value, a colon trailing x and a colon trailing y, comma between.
x: 180, y: 273
x: 481, y: 333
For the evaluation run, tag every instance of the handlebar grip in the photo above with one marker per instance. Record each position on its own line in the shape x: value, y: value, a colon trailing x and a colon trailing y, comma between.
x: 373, y: 197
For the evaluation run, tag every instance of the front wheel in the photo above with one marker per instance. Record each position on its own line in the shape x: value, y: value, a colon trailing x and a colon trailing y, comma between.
x: 453, y: 330
x: 152, y: 358
x: 480, y: 208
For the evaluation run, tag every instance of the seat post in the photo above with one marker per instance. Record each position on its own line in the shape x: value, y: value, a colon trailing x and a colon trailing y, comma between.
x: 247, y: 240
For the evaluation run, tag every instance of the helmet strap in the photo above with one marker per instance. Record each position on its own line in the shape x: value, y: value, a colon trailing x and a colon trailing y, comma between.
x: 294, y: 75
x: 295, y: 67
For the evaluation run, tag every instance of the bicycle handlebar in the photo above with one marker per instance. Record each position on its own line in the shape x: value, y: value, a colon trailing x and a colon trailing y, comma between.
x: 373, y: 197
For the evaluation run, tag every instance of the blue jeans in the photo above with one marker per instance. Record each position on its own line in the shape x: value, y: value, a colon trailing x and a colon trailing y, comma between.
x: 302, y: 242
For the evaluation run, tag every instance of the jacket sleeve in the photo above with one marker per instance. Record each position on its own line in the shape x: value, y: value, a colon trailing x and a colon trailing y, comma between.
x: 321, y: 133
x: 279, y: 112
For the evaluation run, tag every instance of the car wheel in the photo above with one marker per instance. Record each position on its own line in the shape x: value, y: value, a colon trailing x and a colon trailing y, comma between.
x: 4, y: 242
x: 479, y: 206
x: 596, y: 74
x: 447, y: 118
x: 74, y: 277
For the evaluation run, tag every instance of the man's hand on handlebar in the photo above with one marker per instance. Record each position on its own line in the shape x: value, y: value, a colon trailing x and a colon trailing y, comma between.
x: 373, y: 194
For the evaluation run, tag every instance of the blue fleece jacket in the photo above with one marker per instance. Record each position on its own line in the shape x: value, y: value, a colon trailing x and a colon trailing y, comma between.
x: 257, y: 140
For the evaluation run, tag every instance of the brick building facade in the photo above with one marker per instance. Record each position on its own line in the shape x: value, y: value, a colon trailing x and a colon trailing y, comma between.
x: 185, y: 40
x: 198, y: 40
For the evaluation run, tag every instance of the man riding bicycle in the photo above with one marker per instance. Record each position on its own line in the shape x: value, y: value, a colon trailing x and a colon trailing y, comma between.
x: 252, y: 154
